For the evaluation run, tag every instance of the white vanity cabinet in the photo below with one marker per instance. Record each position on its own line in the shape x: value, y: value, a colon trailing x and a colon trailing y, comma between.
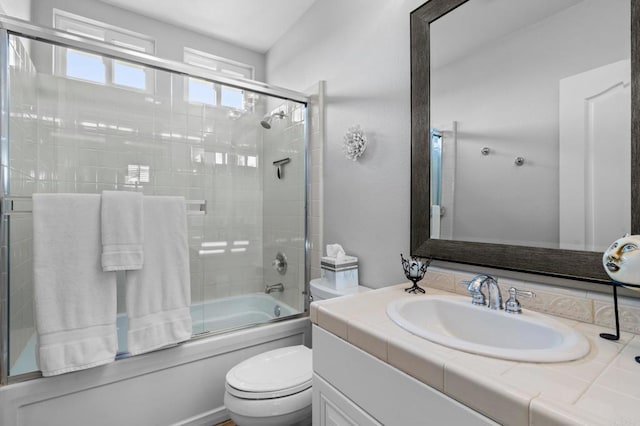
x: 331, y: 408
x: 352, y: 387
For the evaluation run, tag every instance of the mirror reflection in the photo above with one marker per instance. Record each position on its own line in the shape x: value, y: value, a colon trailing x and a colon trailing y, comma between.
x: 530, y: 123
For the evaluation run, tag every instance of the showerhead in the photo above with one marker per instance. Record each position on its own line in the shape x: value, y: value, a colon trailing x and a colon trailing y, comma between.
x: 266, y: 121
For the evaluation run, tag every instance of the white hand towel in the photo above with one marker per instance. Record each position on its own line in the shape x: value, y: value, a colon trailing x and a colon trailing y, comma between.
x: 158, y: 295
x: 75, y: 301
x: 122, y: 231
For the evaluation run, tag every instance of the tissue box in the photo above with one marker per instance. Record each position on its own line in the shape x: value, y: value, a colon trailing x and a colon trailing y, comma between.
x: 340, y: 272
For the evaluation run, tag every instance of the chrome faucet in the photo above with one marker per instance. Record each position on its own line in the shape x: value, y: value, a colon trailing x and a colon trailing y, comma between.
x: 274, y: 288
x: 493, y: 291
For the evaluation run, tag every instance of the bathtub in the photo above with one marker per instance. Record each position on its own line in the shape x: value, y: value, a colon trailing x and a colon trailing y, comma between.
x: 212, y: 316
x: 181, y: 385
x: 237, y: 311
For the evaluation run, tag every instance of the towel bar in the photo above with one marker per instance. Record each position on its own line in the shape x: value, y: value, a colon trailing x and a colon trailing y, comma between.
x: 20, y: 204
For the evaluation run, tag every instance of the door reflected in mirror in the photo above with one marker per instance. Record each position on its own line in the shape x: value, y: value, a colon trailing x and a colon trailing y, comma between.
x: 546, y: 82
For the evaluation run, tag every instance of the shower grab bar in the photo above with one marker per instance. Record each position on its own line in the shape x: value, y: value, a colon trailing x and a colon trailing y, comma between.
x: 20, y: 204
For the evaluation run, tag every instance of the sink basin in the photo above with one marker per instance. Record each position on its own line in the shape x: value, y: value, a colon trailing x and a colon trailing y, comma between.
x: 454, y: 322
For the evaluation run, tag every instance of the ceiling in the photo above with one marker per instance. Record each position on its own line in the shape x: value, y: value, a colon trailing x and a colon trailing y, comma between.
x: 254, y: 24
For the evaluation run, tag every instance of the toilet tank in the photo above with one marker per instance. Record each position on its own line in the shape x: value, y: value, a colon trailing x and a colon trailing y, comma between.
x: 321, y: 290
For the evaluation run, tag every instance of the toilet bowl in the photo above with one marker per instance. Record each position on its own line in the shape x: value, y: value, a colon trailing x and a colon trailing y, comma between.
x: 271, y: 389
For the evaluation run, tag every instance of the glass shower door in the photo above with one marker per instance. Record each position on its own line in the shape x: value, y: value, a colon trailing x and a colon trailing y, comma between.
x: 81, y: 133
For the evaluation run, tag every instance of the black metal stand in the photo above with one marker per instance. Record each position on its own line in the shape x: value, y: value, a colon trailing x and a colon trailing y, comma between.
x: 616, y: 336
x: 414, y: 275
x: 609, y: 336
x: 414, y: 288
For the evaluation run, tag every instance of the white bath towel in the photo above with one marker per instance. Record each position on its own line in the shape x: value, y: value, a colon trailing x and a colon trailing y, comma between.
x: 122, y: 231
x: 75, y: 301
x: 158, y: 295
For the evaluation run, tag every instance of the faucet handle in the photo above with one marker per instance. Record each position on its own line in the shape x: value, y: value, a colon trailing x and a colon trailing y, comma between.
x: 512, y: 305
x: 478, y: 298
x: 474, y: 287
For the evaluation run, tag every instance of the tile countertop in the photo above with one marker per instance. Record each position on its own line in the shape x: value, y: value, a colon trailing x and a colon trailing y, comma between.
x: 603, y: 388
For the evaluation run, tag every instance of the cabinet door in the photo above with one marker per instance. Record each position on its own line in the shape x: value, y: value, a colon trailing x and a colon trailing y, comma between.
x: 331, y: 408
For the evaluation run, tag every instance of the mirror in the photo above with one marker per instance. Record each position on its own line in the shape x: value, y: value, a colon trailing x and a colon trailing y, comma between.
x: 523, y: 148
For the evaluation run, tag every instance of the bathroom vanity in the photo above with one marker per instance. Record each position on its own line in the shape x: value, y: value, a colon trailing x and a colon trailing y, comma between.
x: 369, y: 371
x: 353, y: 387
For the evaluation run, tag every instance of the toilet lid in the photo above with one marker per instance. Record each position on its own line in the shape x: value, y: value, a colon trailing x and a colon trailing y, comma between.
x: 272, y: 374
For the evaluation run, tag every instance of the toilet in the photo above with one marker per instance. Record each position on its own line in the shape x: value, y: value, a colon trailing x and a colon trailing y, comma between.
x: 271, y: 389
x: 274, y: 388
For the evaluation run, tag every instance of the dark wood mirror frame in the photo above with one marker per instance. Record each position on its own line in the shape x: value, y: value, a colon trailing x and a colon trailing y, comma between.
x: 582, y: 265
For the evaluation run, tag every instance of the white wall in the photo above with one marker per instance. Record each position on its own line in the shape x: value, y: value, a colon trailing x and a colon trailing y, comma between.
x: 18, y: 8
x: 170, y: 40
x: 361, y: 49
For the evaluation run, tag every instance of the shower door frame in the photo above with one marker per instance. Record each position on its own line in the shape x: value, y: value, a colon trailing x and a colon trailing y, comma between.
x: 10, y: 26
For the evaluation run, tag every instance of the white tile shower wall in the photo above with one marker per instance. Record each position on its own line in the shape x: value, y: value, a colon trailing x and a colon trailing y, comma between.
x: 314, y: 194
x: 109, y: 138
x: 284, y: 201
x: 578, y: 305
x: 23, y: 174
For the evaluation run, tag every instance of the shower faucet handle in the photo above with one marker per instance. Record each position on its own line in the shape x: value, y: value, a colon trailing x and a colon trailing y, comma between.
x: 280, y: 263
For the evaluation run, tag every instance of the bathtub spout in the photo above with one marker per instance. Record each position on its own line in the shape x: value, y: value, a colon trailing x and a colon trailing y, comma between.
x: 274, y: 288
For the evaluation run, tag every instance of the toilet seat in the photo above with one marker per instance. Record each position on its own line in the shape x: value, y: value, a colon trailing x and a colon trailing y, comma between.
x: 273, y: 374
x: 267, y: 395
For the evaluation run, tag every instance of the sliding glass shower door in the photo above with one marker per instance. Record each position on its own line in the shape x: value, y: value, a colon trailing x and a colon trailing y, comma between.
x: 84, y: 122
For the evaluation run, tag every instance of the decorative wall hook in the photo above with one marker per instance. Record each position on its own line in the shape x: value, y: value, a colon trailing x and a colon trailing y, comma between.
x: 280, y: 167
x: 355, y: 143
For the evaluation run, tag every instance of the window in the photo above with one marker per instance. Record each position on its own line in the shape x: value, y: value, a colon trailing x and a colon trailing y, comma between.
x: 206, y: 92
x: 137, y: 174
x: 96, y: 68
x: 85, y: 66
x: 221, y: 158
x: 201, y: 91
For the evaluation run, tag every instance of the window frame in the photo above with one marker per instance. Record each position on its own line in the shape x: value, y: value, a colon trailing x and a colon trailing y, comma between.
x: 217, y: 64
x: 101, y: 31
